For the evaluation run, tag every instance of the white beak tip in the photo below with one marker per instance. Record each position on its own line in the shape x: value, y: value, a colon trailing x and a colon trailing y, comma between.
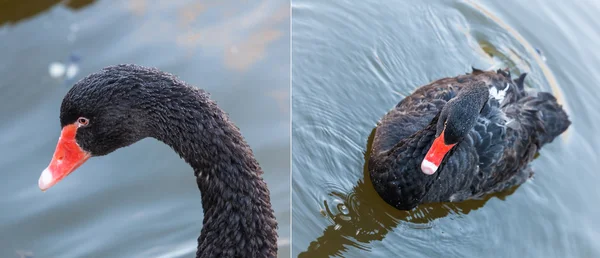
x: 46, y: 180
x: 428, y: 167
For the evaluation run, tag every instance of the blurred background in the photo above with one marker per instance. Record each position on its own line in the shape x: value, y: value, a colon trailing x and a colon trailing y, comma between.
x: 141, y: 201
x: 353, y: 61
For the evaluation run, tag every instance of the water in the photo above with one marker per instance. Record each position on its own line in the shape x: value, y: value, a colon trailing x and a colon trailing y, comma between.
x: 353, y: 61
x: 140, y: 201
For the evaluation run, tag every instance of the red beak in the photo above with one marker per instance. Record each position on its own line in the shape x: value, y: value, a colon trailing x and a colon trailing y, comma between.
x: 435, y: 155
x: 68, y: 156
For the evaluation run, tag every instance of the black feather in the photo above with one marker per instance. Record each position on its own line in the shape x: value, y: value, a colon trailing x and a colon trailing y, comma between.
x: 127, y: 103
x: 493, y: 155
x: 520, y: 82
x: 476, y: 71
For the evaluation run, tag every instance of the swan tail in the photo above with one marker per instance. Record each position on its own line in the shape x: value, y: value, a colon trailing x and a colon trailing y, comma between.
x: 553, y: 117
x: 541, y: 116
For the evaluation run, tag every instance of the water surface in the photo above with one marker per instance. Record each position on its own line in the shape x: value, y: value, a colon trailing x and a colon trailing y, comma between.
x: 353, y: 61
x: 140, y: 201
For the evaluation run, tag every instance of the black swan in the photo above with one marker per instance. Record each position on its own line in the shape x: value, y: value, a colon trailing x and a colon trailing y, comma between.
x: 461, y: 138
x: 123, y: 104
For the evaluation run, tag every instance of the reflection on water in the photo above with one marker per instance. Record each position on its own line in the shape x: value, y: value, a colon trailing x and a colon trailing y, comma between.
x: 140, y: 201
x: 15, y: 11
x: 354, y: 223
x: 353, y: 62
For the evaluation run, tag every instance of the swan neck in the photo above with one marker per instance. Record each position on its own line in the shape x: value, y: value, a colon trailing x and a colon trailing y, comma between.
x: 238, y: 216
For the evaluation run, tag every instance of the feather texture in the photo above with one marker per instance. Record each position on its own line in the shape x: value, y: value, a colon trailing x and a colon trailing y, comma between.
x: 126, y: 103
x: 493, y: 155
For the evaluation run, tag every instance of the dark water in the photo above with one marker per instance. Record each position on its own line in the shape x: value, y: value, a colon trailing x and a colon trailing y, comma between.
x: 353, y: 61
x: 141, y: 201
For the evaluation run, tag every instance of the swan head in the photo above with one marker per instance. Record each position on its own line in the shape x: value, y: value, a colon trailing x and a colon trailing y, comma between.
x: 99, y: 114
x: 456, y: 119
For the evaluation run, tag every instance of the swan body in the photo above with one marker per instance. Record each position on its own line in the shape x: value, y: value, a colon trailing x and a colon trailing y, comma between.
x: 461, y: 138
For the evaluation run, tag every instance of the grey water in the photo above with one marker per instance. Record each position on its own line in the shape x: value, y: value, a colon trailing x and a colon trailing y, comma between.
x: 352, y: 61
x: 140, y: 201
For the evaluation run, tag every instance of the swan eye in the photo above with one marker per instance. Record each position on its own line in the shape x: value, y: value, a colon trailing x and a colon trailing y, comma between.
x: 82, y: 121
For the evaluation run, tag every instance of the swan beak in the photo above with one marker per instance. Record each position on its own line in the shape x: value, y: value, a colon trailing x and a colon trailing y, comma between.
x: 435, y: 155
x: 68, y: 156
